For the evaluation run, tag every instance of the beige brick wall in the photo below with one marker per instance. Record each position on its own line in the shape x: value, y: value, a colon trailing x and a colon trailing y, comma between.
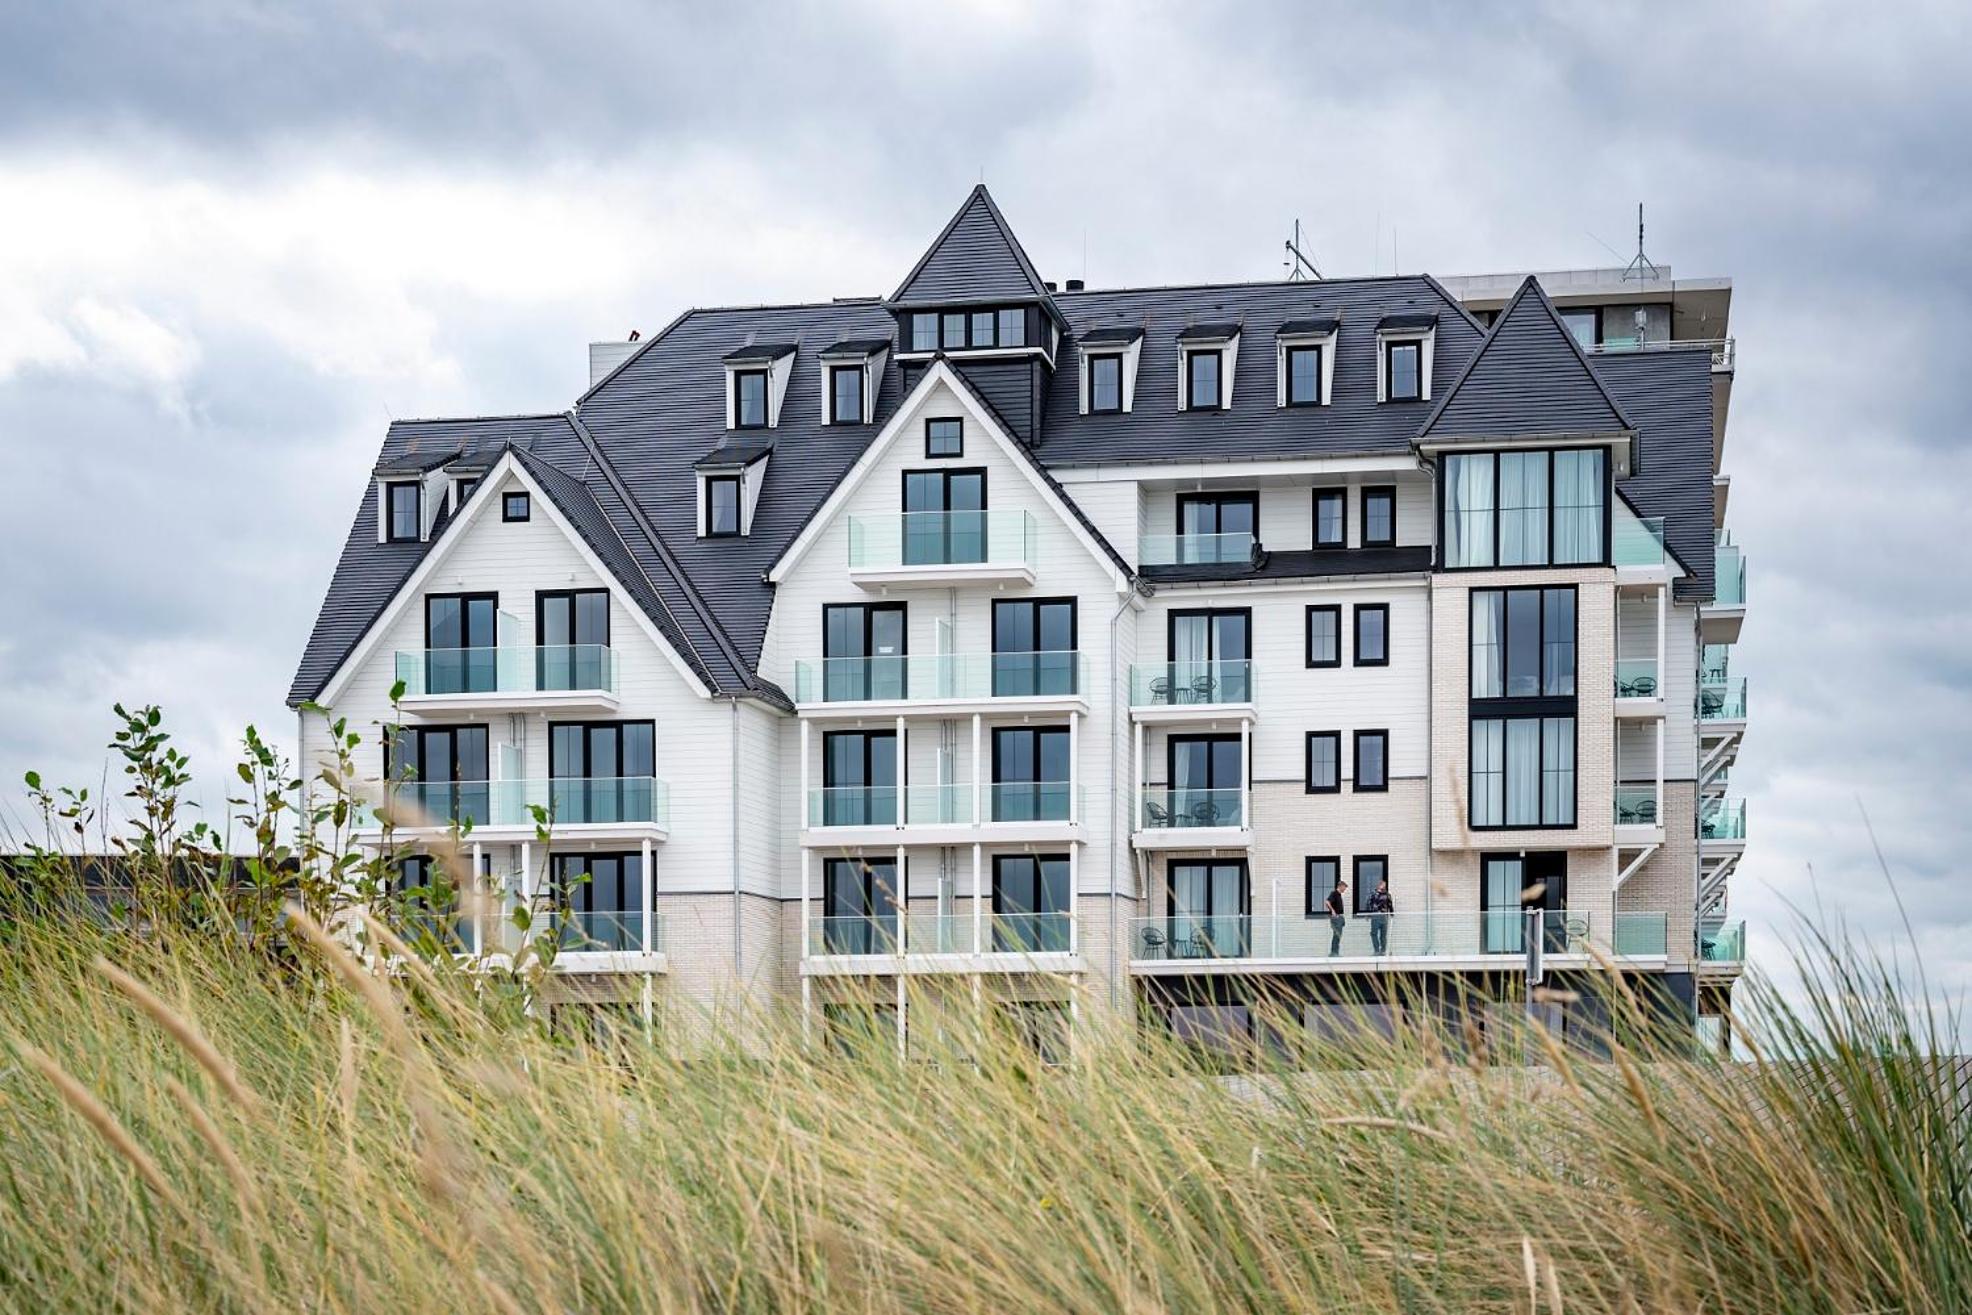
x: 1667, y: 882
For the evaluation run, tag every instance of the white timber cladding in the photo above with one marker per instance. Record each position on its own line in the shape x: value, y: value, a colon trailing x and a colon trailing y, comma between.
x: 1287, y: 507
x: 515, y: 560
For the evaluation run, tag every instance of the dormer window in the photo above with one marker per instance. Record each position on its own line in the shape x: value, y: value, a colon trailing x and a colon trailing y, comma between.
x: 1403, y: 356
x: 749, y: 399
x: 983, y: 324
x: 1108, y: 370
x: 954, y: 329
x: 924, y: 331
x: 1013, y: 327
x: 846, y: 394
x: 463, y: 489
x: 1402, y: 367
x: 1202, y: 379
x: 722, y: 506
x: 1304, y: 361
x: 1304, y: 376
x: 1206, y: 356
x: 1106, y: 383
x: 404, y: 511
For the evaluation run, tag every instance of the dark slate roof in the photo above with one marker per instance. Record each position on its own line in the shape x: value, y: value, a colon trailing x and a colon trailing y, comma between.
x: 1669, y: 395
x: 1530, y: 377
x: 1311, y: 327
x: 1208, y: 332
x: 739, y: 449
x: 977, y: 258
x: 1112, y: 335
x: 1298, y: 564
x: 369, y: 573
x: 762, y: 352
x: 1408, y: 320
x: 847, y: 347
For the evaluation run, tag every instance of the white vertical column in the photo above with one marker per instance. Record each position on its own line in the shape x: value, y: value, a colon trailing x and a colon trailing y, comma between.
x: 1137, y: 781
x: 1660, y: 771
x: 903, y: 800
x: 1074, y: 768
x: 1074, y: 898
x: 977, y: 815
x: 903, y: 897
x: 901, y: 1050
x: 1663, y: 602
x: 807, y: 858
x: 803, y: 805
x: 1246, y: 772
x: 527, y: 883
x: 650, y: 898
x: 978, y: 900
x: 477, y: 899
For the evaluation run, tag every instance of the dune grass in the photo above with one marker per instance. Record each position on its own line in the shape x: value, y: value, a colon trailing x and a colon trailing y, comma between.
x: 195, y: 1123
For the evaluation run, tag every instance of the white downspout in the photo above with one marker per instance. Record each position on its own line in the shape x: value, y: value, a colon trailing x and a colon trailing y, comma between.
x: 1116, y: 837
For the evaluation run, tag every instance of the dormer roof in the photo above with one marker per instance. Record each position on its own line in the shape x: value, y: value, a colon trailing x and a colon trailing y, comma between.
x: 1407, y: 320
x: 1313, y: 327
x: 854, y: 349
x: 1115, y: 335
x: 1216, y: 332
x: 975, y: 259
x: 1528, y: 378
x: 759, y: 353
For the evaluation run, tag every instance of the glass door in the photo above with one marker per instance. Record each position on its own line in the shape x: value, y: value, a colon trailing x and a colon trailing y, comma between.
x: 1205, y: 780
x: 461, y: 642
x: 1210, y: 657
x: 944, y: 517
x: 859, y: 906
x: 859, y: 778
x: 572, y: 639
x: 1030, y: 903
x: 1030, y: 774
x: 863, y: 651
x: 1208, y: 911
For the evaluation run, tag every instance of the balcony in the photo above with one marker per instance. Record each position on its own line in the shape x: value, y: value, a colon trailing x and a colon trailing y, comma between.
x: 1722, y: 619
x: 1478, y: 940
x: 1722, y: 707
x: 1638, y: 691
x: 608, y: 941
x: 940, y: 814
x: 1187, y: 818
x: 1050, y: 680
x: 1714, y: 663
x: 628, y: 807
x: 1198, y: 550
x: 940, y: 942
x: 1636, y: 543
x: 1191, y: 691
x: 942, y: 548
x: 1722, y: 825
x: 1723, y: 945
x: 1637, y: 818
x: 556, y: 677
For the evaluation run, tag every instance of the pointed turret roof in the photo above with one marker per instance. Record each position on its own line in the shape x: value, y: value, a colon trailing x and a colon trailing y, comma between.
x: 1529, y: 377
x: 975, y: 258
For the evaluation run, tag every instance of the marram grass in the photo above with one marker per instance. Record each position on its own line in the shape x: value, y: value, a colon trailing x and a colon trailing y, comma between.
x: 187, y: 1124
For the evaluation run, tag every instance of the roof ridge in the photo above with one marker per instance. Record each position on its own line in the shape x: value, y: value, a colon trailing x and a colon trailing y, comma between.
x: 980, y: 196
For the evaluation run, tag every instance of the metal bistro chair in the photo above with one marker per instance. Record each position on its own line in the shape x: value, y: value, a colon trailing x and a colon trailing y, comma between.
x: 1645, y: 811
x: 1156, y: 815
x: 1642, y: 687
x: 1710, y: 704
x: 1205, y: 813
x: 1160, y: 690
x: 1202, y: 688
x: 1577, y: 932
x: 1153, y: 944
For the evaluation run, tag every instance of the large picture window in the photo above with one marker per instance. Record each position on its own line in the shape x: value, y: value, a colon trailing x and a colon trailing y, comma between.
x: 1523, y: 771
x: 1524, y: 508
x: 1523, y: 690
x: 1523, y: 643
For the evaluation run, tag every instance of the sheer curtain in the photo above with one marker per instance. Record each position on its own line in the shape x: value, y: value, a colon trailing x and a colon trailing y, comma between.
x: 1523, y: 772
x: 1469, y: 510
x: 1578, y: 506
x: 1523, y: 508
x: 1558, y: 771
x: 1487, y: 606
x: 1488, y: 772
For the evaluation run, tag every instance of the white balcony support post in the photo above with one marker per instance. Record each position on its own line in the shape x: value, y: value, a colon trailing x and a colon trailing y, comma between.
x: 1246, y: 774
x: 901, y: 1051
x: 1663, y: 601
x: 1273, y: 919
x: 807, y: 1007
x: 978, y: 900
x: 1660, y: 771
x: 977, y: 815
x: 1137, y: 782
x: 1074, y: 767
x: 1074, y: 891
x: 527, y: 873
x: 903, y: 907
x: 649, y: 892
x: 807, y: 858
x: 903, y: 795
x: 804, y: 805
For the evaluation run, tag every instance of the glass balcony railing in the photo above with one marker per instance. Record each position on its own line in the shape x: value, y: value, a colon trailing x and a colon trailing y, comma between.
x: 1636, y: 805
x: 1725, y: 701
x: 942, y: 538
x: 942, y: 933
x: 1406, y: 935
x: 872, y: 933
x: 1171, y: 684
x: 1725, y: 943
x: 941, y: 676
x: 1198, y: 549
x: 1029, y: 933
x: 853, y: 805
x: 568, y: 801
x: 1030, y: 801
x: 1637, y: 540
x: 1636, y: 678
x: 597, y: 931
x: 1725, y: 819
x: 1163, y: 809
x: 1714, y: 663
x: 939, y: 805
x: 507, y: 670
x: 1729, y: 573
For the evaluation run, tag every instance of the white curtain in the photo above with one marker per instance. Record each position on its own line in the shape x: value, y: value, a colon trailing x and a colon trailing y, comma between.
x: 1578, y: 506
x: 1488, y: 773
x: 1469, y: 510
x: 1523, y: 508
x: 1487, y: 606
x: 1523, y: 771
x: 1558, y: 771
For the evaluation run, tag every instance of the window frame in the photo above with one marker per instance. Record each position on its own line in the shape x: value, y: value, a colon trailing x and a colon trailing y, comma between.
x: 931, y: 453
x: 1441, y: 481
x: 1217, y: 501
x: 740, y: 378
x: 1541, y: 702
x: 1360, y: 889
x: 391, y: 489
x: 1192, y: 356
x: 1383, y: 491
x: 1390, y: 347
x: 836, y: 372
x: 1317, y: 906
x: 1356, y: 785
x: 1540, y: 771
x: 916, y: 317
x: 1090, y: 363
x: 508, y: 504
x: 1340, y: 495
x: 587, y: 728
x: 992, y: 319
x: 1308, y: 634
x: 737, y: 484
x: 1356, y: 657
x: 1287, y: 363
x: 1308, y: 763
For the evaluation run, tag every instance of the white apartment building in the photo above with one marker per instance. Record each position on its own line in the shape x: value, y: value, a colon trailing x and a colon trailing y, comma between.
x: 1067, y: 646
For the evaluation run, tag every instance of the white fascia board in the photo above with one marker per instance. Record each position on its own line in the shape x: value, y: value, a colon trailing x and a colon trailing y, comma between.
x: 1182, y: 472
x: 414, y: 584
x: 907, y: 411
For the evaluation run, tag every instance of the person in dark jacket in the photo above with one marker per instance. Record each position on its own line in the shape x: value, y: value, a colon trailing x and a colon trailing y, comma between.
x: 1380, y: 908
x: 1337, y: 905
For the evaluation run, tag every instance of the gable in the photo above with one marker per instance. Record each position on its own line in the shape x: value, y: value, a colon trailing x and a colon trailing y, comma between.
x: 1529, y: 377
x: 976, y: 258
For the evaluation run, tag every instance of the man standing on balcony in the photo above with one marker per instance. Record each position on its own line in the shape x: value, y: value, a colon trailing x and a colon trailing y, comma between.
x: 1337, y: 905
x: 1380, y: 908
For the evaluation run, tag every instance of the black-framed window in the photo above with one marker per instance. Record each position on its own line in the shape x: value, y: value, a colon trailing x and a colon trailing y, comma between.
x: 1324, y: 762
x: 1372, y: 762
x: 1403, y: 369
x: 924, y: 331
x: 571, y: 636
x: 461, y: 643
x: 984, y: 322
x: 429, y: 904
x: 846, y: 394
x: 440, y: 772
x: 1523, y: 772
x: 1206, y: 775
x: 1209, y: 903
x: 1585, y: 322
x: 601, y: 771
x: 944, y: 437
x: 1217, y: 527
x: 1031, y: 774
x: 1512, y: 884
x: 749, y: 399
x: 1331, y: 518
x: 463, y: 489
x: 1031, y: 903
x: 604, y: 896
x: 1380, y: 516
x: 722, y: 506
x: 864, y: 648
x: 954, y: 333
x: 1523, y: 643
x: 1304, y: 376
x: 859, y: 778
x: 1372, y: 646
x: 516, y: 507
x: 1013, y: 327
x: 1106, y: 382
x: 1322, y: 870
x: 860, y: 898
x: 1368, y: 870
x: 1034, y: 647
x: 1324, y: 635
x: 1532, y: 507
x: 944, y: 517
x: 403, y: 510
x: 1210, y: 655
x: 1203, y: 386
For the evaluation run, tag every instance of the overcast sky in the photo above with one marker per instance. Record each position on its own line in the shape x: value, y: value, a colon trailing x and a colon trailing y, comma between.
x: 237, y: 238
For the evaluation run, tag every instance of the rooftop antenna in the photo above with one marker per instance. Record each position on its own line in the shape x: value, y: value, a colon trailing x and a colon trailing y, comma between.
x: 1300, y: 268
x: 1642, y: 267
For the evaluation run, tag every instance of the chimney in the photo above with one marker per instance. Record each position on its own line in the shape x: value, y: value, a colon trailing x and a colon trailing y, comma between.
x: 1075, y: 285
x: 1049, y: 285
x: 606, y: 356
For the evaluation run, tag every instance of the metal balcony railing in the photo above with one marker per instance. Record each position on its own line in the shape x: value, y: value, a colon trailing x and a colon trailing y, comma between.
x: 1405, y: 935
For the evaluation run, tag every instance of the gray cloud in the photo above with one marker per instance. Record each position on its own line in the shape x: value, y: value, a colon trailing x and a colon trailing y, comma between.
x: 264, y: 229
